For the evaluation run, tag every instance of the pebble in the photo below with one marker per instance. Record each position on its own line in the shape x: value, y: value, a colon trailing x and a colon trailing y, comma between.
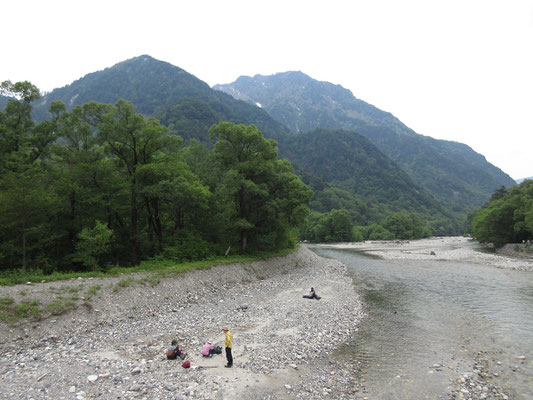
x: 122, y: 356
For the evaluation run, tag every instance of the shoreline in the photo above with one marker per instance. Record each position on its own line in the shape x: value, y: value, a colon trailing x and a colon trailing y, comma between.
x: 480, y: 368
x: 114, y: 347
x: 451, y: 248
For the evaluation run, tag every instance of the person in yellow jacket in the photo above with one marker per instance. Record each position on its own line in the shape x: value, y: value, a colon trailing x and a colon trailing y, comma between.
x: 227, y: 344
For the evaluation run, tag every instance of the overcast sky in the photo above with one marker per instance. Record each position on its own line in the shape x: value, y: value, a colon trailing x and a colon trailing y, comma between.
x: 455, y: 70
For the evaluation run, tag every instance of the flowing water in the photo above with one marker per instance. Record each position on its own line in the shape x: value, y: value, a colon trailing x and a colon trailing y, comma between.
x: 420, y: 313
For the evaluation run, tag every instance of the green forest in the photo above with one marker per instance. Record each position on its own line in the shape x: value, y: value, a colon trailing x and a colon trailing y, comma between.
x: 507, y: 217
x: 102, y: 185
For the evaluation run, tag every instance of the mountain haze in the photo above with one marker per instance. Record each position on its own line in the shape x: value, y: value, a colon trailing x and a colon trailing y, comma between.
x: 451, y: 171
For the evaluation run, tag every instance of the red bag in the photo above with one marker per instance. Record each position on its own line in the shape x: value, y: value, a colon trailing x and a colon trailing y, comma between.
x: 186, y: 364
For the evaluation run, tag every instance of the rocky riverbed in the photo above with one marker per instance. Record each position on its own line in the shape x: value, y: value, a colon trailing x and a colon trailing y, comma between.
x: 446, y: 248
x: 110, y: 344
x: 481, y: 367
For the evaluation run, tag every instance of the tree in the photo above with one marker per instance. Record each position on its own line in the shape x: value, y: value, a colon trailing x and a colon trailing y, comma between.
x: 173, y: 196
x: 377, y: 232
x: 134, y: 141
x: 25, y: 200
x: 94, y: 242
x: 506, y: 218
x: 406, y: 226
x: 335, y: 226
x: 262, y: 197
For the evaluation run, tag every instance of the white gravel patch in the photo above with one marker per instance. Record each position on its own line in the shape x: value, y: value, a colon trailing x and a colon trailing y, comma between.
x: 113, y: 347
x: 438, y: 248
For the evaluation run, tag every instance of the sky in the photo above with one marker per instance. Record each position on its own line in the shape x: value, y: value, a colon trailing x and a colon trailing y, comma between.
x: 453, y: 70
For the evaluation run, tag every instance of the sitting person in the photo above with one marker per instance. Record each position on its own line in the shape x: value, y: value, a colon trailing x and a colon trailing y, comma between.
x: 174, y: 351
x: 312, y: 295
x: 207, y: 350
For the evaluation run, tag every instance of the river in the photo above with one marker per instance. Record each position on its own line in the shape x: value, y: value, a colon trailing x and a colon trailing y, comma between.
x: 430, y: 322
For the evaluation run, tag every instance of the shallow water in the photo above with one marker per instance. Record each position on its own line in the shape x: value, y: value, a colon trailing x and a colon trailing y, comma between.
x: 426, y: 312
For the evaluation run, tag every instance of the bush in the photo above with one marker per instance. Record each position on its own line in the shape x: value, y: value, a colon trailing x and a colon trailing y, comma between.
x: 357, y: 234
x: 190, y: 247
x: 377, y: 232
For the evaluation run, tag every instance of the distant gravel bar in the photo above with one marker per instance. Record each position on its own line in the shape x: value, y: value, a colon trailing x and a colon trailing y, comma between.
x: 112, y: 346
x: 447, y: 248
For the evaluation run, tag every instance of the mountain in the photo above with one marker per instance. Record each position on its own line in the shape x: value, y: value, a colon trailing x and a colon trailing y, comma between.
x: 354, y: 164
x: 451, y: 171
x: 184, y: 103
x: 523, y: 179
x: 3, y: 101
x: 345, y: 169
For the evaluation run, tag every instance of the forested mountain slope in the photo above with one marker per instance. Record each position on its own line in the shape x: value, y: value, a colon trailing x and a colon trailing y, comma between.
x: 365, y: 181
x: 351, y: 162
x: 182, y: 102
x: 3, y: 101
x: 451, y: 171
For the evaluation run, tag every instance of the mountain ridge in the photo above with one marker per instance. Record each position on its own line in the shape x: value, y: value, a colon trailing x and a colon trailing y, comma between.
x: 188, y: 107
x: 453, y: 172
x: 153, y: 86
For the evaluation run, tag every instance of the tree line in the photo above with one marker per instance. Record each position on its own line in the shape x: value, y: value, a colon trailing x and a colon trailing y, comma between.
x: 339, y: 226
x: 507, y: 217
x: 104, y: 185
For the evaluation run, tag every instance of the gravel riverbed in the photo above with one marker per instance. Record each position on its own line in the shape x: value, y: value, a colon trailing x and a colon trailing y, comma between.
x: 482, y: 370
x: 112, y: 346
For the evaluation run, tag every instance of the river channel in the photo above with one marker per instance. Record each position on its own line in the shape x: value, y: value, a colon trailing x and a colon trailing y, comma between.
x: 430, y: 322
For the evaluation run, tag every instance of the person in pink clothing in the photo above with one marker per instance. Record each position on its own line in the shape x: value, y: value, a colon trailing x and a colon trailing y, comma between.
x: 207, y: 349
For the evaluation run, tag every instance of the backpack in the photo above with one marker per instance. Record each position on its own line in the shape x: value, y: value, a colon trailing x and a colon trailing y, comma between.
x: 217, y: 350
x: 172, y: 354
x: 186, y: 364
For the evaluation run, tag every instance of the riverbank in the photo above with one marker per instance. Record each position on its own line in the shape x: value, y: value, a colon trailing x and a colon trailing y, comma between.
x: 475, y: 298
x: 455, y: 248
x: 113, y: 346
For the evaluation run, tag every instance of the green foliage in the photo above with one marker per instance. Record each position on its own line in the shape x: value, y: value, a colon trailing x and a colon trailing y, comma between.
x: 59, y: 306
x: 406, y: 226
x: 182, y: 102
x: 125, y: 282
x: 11, y: 312
x: 28, y: 309
x: 188, y: 246
x: 91, y: 292
x: 6, y: 304
x: 459, y: 178
x: 377, y: 232
x: 338, y: 226
x: 357, y: 234
x: 93, y: 243
x: 347, y: 171
x: 109, y: 163
x: 264, y: 200
x: 335, y: 226
x: 507, y: 217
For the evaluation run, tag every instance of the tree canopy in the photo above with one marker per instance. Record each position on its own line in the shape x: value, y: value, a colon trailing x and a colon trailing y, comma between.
x: 104, y: 185
x: 507, y: 217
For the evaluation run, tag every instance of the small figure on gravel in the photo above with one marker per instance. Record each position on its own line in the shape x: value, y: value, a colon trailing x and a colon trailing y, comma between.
x: 312, y: 295
x: 174, y: 351
x: 228, y: 343
x: 208, y: 350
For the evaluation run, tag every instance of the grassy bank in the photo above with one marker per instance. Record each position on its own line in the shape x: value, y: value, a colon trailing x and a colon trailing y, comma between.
x: 156, y: 267
x: 21, y: 305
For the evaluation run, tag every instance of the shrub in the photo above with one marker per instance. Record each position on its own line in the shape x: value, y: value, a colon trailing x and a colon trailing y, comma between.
x: 190, y: 247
